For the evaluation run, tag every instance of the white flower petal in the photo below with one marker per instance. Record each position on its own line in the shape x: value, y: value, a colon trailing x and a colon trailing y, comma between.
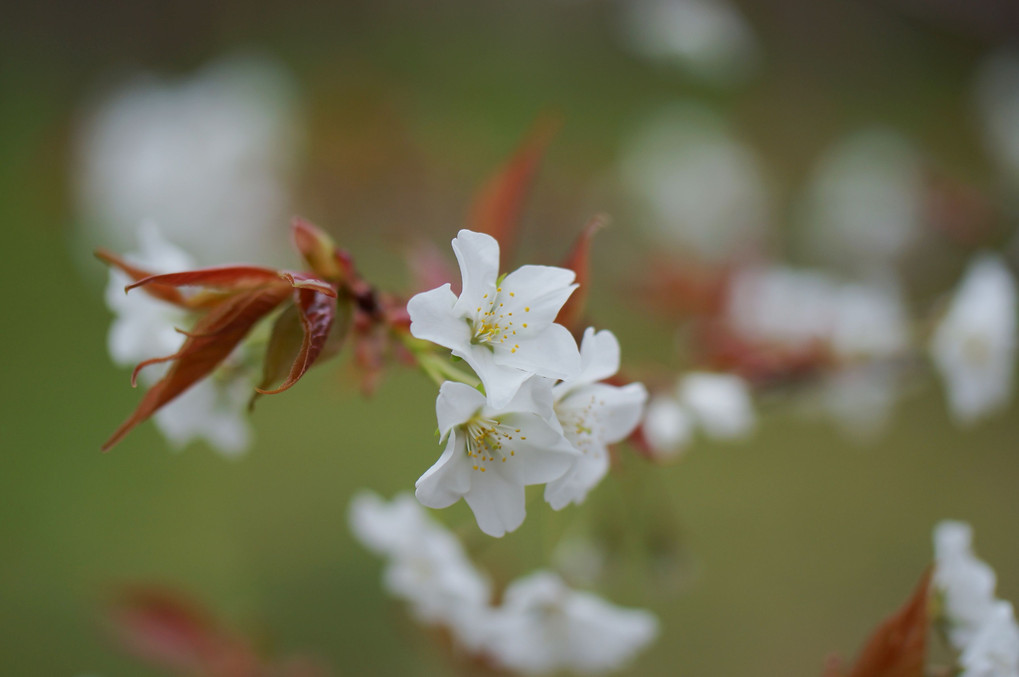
x: 432, y: 318
x: 501, y: 382
x: 456, y: 403
x: 535, y: 294
x: 599, y: 356
x: 587, y: 471
x: 478, y: 256
x: 621, y: 409
x: 553, y: 353
x: 497, y: 503
x: 447, y: 480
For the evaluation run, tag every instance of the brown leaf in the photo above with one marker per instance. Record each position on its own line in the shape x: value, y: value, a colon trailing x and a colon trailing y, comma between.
x: 160, y: 291
x: 164, y: 628
x: 317, y: 248
x: 579, y: 261
x: 308, y: 281
x: 897, y: 648
x: 500, y: 201
x: 232, y: 278
x: 214, y: 337
x: 315, y: 312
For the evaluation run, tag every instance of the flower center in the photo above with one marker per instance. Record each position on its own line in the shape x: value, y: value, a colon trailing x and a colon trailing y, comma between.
x: 580, y: 423
x: 488, y: 441
x: 493, y: 324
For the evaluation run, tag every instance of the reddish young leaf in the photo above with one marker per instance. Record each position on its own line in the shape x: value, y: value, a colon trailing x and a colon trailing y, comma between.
x: 282, y: 351
x: 214, y: 337
x: 308, y: 281
x: 159, y: 291
x: 316, y: 312
x: 579, y: 261
x: 231, y: 278
x: 317, y: 248
x: 898, y: 646
x: 500, y: 201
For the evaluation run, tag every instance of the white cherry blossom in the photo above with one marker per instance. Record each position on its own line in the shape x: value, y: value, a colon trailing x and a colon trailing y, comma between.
x: 966, y: 583
x: 593, y: 415
x: 505, y: 330
x: 493, y: 452
x: 427, y: 567
x: 544, y: 626
x: 974, y: 345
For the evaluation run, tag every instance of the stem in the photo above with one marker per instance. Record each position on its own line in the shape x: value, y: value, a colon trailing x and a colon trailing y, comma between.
x: 439, y: 368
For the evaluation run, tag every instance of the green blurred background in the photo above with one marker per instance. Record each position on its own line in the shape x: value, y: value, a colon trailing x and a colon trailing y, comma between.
x: 774, y: 552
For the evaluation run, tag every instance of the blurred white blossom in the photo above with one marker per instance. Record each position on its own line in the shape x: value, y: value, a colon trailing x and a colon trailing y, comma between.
x: 994, y: 650
x: 720, y: 403
x: 864, y: 205
x: 965, y: 582
x: 668, y: 427
x: 860, y: 398
x: 145, y: 327
x: 711, y: 39
x: 975, y: 343
x: 426, y: 565
x: 863, y: 325
x: 703, y: 189
x: 870, y: 320
x: 208, y: 157
x: 544, y: 626
x: 781, y: 305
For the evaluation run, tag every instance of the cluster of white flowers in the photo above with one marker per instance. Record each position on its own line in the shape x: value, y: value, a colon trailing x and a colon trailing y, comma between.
x: 974, y: 346
x: 981, y: 627
x: 718, y: 404
x: 541, y: 625
x: 145, y: 327
x: 526, y: 428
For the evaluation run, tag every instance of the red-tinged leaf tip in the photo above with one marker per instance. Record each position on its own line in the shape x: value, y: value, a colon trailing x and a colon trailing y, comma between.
x: 146, y: 363
x: 499, y: 203
x: 579, y: 261
x: 308, y: 281
x: 897, y: 648
x: 317, y: 248
x: 232, y: 278
x: 162, y: 292
x: 316, y: 313
x: 214, y: 337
